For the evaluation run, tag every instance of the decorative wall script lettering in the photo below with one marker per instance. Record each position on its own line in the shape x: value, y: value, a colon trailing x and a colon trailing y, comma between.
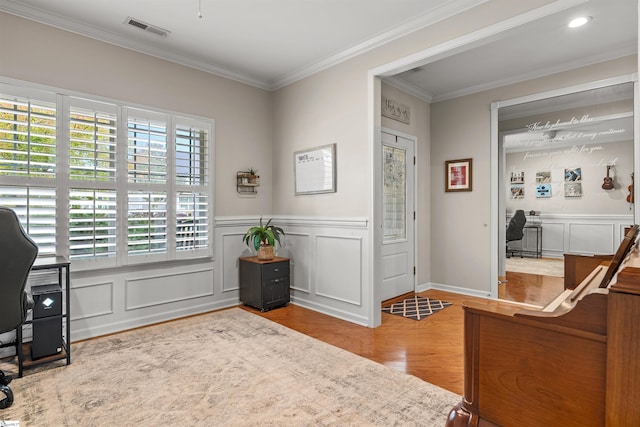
x: 557, y: 131
x: 586, y: 149
x: 395, y: 110
x: 540, y: 126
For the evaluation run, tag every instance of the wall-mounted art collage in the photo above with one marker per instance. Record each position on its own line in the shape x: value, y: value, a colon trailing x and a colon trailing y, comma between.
x: 517, y: 185
x: 543, y: 185
x: 572, y: 184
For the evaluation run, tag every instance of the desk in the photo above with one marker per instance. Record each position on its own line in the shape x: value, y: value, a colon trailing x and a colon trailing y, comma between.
x: 537, y: 252
x: 61, y: 264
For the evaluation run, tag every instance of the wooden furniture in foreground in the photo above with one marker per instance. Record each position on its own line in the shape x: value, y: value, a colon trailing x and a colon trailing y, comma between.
x: 578, y: 267
x: 264, y: 284
x: 574, y: 363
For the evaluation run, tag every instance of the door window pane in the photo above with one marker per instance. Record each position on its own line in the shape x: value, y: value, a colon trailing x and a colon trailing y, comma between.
x: 394, y: 193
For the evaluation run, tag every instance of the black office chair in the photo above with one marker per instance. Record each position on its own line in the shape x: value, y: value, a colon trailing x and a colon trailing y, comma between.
x: 515, y: 231
x: 17, y: 254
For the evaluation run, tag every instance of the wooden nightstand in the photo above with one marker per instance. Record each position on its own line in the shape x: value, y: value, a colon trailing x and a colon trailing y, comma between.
x: 264, y: 284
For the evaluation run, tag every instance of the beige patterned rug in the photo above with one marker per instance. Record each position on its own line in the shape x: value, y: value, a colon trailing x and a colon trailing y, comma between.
x: 226, y: 368
x: 540, y: 266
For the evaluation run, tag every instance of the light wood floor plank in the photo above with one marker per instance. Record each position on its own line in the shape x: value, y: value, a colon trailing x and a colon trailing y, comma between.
x: 430, y: 349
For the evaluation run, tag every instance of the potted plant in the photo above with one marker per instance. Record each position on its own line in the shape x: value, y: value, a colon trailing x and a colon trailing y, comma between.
x: 253, y: 175
x: 263, y: 239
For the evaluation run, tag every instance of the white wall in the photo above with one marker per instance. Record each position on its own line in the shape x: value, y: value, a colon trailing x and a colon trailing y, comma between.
x: 592, y: 160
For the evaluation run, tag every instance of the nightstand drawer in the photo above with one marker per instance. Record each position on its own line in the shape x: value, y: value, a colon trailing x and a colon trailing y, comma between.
x: 275, y: 270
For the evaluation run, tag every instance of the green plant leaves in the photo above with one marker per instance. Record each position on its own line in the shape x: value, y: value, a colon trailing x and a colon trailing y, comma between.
x: 263, y: 234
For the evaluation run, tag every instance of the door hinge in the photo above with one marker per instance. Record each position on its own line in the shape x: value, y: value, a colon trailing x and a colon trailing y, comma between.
x: 414, y: 160
x: 414, y: 270
x: 414, y: 215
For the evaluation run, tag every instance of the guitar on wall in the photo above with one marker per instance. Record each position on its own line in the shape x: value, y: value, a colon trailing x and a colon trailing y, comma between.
x: 630, y: 195
x: 608, y: 181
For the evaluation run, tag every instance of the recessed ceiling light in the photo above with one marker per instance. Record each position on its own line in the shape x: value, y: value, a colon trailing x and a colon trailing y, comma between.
x: 579, y: 22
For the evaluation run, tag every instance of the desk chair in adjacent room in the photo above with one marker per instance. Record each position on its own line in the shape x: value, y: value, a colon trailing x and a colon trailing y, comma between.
x: 17, y: 254
x: 515, y: 230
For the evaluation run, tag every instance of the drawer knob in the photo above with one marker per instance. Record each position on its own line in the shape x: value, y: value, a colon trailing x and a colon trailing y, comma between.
x: 276, y: 269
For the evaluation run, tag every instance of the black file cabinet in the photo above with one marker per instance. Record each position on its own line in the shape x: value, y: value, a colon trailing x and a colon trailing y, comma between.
x: 47, y: 320
x: 264, y: 284
x: 51, y: 320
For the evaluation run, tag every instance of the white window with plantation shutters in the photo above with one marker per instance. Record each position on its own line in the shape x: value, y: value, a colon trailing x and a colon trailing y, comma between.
x: 28, y: 137
x: 147, y: 196
x: 146, y: 147
x: 147, y: 223
x: 90, y: 178
x: 28, y: 161
x: 36, y: 209
x: 93, y: 142
x: 192, y: 181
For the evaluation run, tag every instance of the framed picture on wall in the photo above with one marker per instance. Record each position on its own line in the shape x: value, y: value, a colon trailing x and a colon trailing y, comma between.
x: 543, y: 177
x: 573, y: 175
x: 543, y: 191
x: 458, y: 175
x: 517, y: 191
x: 517, y: 177
x: 572, y: 189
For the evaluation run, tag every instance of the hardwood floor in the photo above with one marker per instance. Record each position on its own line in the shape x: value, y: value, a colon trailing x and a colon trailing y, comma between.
x: 530, y: 288
x: 430, y: 349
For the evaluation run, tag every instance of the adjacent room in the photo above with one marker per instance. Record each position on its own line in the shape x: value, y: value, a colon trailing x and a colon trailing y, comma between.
x: 300, y: 213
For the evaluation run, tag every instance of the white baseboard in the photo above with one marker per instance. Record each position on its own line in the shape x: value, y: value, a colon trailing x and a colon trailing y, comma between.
x: 454, y: 289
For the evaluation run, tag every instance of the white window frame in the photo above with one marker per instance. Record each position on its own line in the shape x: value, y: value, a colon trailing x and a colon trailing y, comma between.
x: 63, y: 184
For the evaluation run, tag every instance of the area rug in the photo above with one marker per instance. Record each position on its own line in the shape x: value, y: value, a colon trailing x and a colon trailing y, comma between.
x: 539, y: 266
x: 416, y: 308
x: 226, y: 368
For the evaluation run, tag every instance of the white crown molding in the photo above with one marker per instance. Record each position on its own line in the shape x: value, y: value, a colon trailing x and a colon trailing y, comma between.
x: 439, y: 14
x: 61, y: 22
x: 630, y: 49
x: 58, y: 21
x: 450, y: 47
x: 410, y: 88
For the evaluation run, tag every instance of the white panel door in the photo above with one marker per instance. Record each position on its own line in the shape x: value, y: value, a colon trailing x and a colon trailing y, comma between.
x: 397, y: 215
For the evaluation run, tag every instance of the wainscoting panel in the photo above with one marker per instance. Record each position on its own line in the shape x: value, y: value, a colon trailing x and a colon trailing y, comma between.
x: 232, y: 245
x: 339, y: 268
x: 579, y: 234
x: 592, y: 238
x: 329, y: 262
x: 163, y: 289
x: 553, y: 238
x: 298, y: 244
x: 92, y: 300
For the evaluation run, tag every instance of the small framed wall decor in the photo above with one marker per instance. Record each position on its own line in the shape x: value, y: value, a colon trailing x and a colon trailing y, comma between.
x: 314, y: 170
x: 458, y: 175
x: 517, y: 177
x: 543, y: 191
x: 396, y: 110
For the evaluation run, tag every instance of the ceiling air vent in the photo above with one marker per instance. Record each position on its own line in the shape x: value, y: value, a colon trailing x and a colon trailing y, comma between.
x: 146, y: 27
